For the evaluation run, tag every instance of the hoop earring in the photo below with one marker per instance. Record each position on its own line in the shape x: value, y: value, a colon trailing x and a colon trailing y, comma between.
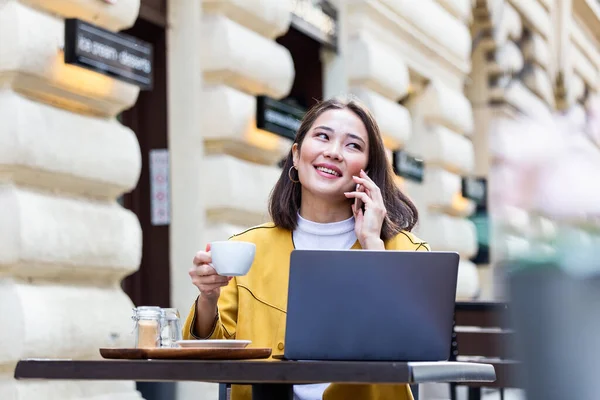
x: 290, y: 175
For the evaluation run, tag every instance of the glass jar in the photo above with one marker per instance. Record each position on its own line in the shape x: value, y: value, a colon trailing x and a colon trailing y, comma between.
x: 147, y: 327
x: 170, y: 327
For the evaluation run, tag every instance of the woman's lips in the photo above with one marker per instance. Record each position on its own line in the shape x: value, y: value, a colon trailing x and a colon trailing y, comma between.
x: 328, y: 172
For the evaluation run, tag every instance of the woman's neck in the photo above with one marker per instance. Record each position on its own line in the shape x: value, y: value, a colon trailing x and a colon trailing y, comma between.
x: 324, y: 211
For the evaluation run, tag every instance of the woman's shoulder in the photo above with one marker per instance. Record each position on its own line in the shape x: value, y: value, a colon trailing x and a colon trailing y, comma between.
x: 405, y: 240
x: 258, y: 233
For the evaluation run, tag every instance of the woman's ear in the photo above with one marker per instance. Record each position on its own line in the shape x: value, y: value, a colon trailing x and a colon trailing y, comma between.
x: 295, y: 154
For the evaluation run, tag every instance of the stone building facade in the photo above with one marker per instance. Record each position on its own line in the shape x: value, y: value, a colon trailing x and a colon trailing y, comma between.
x: 532, y: 59
x: 74, y: 169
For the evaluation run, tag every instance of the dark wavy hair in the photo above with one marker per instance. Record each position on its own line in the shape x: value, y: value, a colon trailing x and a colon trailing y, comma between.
x: 284, y: 202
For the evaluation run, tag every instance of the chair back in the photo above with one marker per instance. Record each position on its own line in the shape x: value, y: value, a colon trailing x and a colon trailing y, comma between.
x: 482, y: 333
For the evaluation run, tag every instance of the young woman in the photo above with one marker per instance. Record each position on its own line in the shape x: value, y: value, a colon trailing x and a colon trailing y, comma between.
x: 336, y: 191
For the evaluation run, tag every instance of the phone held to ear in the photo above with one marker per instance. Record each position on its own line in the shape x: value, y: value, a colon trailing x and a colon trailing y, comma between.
x: 358, y: 202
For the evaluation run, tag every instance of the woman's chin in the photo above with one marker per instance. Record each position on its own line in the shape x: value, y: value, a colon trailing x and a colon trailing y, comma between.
x: 329, y: 194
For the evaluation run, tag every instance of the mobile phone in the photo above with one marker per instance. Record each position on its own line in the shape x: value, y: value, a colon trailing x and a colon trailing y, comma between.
x: 358, y: 202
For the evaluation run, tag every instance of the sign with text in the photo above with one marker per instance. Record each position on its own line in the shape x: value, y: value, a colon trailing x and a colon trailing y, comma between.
x: 408, y: 166
x: 317, y: 19
x: 117, y: 55
x: 278, y: 117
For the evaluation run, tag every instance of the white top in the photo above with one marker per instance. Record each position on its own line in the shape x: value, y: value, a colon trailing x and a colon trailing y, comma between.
x: 332, y: 236
x: 315, y: 236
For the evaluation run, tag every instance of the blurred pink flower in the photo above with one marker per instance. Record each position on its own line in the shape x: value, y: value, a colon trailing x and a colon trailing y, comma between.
x: 549, y: 165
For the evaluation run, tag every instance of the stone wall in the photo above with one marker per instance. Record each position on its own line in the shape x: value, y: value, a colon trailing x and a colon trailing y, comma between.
x: 531, y: 58
x: 223, y: 167
x: 513, y: 75
x: 65, y: 244
x: 241, y: 60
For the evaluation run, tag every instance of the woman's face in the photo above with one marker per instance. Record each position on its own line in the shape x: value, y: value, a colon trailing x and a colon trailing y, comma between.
x: 335, y: 148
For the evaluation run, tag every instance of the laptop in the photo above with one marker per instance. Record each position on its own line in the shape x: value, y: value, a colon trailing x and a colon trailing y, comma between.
x: 361, y: 305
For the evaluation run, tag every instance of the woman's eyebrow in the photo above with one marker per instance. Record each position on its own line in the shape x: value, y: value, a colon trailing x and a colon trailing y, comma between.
x: 351, y: 135
x: 356, y: 137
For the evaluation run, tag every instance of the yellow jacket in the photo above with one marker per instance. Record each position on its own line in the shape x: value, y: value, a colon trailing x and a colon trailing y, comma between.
x: 253, y: 307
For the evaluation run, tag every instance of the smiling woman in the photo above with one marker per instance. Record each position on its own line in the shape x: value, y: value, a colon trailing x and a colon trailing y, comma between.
x: 337, y: 141
x: 324, y: 200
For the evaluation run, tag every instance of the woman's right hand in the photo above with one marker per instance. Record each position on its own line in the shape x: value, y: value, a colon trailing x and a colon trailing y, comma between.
x: 205, y: 277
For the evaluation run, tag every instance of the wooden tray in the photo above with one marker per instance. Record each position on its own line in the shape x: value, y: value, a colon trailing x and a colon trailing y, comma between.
x: 186, y: 354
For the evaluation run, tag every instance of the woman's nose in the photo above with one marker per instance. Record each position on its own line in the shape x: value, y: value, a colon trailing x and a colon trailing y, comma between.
x: 333, y: 151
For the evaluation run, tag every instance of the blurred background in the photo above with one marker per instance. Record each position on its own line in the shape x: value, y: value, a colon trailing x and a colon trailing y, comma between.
x: 135, y: 131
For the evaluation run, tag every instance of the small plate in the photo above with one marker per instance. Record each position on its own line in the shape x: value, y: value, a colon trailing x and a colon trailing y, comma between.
x: 214, y: 344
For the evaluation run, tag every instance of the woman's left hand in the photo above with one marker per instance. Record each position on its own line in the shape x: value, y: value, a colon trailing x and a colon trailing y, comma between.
x: 368, y: 224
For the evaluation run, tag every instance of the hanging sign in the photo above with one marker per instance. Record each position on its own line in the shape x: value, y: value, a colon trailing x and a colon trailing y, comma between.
x: 117, y: 55
x: 481, y: 220
x: 475, y: 189
x: 278, y: 117
x: 317, y: 19
x: 160, y: 201
x: 408, y: 166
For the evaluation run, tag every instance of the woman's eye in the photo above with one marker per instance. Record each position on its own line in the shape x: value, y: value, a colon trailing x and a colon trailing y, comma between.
x: 322, y: 135
x: 355, y: 146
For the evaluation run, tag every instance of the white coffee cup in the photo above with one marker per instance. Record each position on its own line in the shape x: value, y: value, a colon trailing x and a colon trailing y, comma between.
x: 232, y: 258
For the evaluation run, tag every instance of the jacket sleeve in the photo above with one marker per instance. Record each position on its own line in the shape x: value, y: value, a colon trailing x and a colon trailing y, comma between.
x: 226, y: 321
